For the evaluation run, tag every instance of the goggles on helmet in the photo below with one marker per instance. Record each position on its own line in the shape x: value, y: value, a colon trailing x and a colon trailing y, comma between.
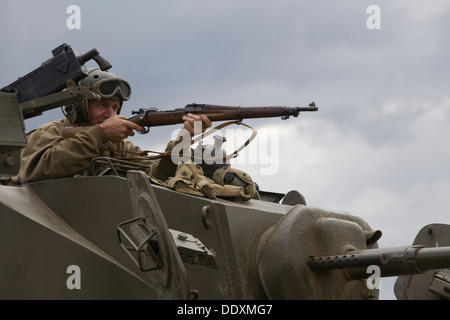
x: 112, y: 88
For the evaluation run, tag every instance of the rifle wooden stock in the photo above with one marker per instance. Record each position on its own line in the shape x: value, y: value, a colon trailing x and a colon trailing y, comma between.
x: 153, y: 117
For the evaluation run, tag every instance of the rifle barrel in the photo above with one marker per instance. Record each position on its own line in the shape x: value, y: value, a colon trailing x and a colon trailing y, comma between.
x: 312, y: 107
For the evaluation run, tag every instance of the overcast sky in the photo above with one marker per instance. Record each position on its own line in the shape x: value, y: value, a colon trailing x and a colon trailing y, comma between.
x: 377, y: 147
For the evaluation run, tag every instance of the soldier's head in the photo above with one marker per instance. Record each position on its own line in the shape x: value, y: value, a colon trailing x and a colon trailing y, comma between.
x: 113, y: 92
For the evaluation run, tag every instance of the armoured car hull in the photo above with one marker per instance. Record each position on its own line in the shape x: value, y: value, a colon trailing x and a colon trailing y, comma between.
x: 49, y: 227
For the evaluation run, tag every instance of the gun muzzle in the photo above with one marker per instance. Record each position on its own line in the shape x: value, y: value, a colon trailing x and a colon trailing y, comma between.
x: 311, y: 107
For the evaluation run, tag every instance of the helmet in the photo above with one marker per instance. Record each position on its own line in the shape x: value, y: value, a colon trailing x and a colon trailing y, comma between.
x: 106, y: 85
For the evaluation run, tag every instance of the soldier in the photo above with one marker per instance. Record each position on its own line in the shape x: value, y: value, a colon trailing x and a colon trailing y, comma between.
x: 48, y: 155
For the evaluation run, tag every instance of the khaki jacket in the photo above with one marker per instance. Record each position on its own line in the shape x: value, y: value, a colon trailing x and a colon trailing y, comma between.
x: 48, y: 155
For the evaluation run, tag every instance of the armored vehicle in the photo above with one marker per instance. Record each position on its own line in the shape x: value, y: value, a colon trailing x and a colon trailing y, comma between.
x: 119, y: 235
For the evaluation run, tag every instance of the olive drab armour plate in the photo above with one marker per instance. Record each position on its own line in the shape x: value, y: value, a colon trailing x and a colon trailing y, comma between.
x: 432, y: 284
x: 165, y: 269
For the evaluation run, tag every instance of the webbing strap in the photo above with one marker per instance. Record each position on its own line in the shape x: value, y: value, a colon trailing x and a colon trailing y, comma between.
x: 144, y: 154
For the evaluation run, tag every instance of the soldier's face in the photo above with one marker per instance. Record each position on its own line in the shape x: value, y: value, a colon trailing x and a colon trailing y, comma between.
x: 100, y: 110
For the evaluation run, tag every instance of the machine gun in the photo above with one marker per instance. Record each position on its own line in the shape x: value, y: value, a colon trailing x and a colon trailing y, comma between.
x: 53, y: 74
x: 40, y: 90
x: 402, y: 261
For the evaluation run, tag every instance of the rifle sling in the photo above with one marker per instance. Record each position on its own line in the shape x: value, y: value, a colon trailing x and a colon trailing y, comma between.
x: 202, y: 136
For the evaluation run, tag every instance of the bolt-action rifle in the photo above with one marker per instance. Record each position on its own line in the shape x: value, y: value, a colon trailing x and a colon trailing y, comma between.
x: 153, y: 117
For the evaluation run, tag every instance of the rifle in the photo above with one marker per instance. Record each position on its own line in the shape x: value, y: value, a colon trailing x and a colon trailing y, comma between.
x: 153, y: 117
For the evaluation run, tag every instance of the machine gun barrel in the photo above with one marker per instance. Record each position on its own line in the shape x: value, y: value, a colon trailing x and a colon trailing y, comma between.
x: 392, y: 261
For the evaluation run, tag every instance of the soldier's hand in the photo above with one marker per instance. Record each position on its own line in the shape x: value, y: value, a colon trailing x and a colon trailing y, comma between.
x: 117, y: 128
x: 196, y: 123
